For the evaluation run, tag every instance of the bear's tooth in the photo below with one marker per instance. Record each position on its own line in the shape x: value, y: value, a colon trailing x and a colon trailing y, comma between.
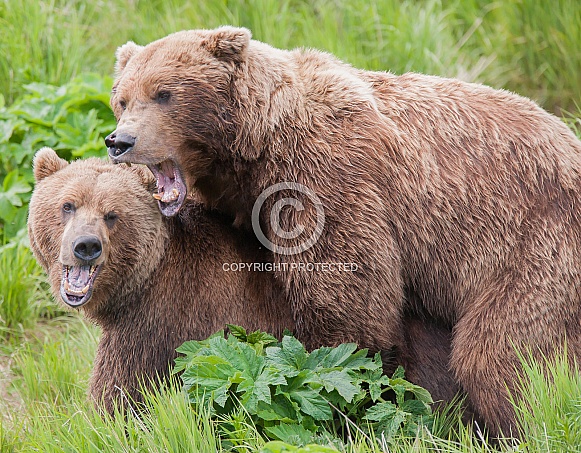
x: 85, y: 290
x: 171, y: 196
x: 67, y: 286
x: 157, y: 196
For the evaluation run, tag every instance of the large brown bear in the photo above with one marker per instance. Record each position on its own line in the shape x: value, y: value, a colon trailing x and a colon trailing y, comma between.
x: 152, y: 283
x: 466, y: 196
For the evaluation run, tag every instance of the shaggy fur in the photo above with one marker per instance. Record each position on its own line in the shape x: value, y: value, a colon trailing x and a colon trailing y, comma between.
x: 163, y: 282
x: 464, y: 195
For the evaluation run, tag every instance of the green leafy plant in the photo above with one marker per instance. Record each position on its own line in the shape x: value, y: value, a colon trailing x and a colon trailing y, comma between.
x: 72, y: 119
x: 295, y: 396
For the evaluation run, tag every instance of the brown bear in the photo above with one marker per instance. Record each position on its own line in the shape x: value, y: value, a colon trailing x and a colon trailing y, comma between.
x: 465, y: 195
x: 152, y: 283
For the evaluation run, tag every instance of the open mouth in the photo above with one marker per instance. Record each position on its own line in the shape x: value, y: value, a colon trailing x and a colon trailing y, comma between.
x: 77, y: 284
x: 171, y: 188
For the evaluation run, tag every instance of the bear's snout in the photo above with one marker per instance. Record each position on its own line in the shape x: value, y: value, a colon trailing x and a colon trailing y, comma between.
x: 119, y: 143
x: 87, y: 248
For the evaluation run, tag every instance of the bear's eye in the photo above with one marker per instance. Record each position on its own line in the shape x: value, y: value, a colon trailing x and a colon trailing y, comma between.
x: 163, y: 97
x: 110, y: 218
x: 123, y: 104
x: 68, y: 208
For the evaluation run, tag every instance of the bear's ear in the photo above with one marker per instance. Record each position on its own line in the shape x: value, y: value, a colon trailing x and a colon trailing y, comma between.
x: 124, y: 54
x: 46, y: 162
x: 228, y: 43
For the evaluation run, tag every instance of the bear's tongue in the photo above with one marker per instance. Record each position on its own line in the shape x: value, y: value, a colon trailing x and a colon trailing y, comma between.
x: 77, y: 284
x: 171, y: 189
x: 77, y: 279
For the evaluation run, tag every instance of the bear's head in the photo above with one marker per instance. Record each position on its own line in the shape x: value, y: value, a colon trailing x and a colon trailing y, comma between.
x: 94, y: 227
x: 173, y: 101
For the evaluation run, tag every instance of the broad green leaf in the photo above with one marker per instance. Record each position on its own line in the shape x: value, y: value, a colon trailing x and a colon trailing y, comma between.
x: 240, y: 355
x: 258, y: 337
x: 281, y: 405
x: 192, y: 348
x: 220, y: 394
x: 416, y: 407
x: 14, y: 187
x: 259, y: 389
x: 399, y: 373
x: 38, y: 137
x: 331, y: 357
x: 290, y: 354
x: 7, y: 127
x: 377, y: 383
x: 360, y: 360
x: 400, y: 386
x: 340, y: 381
x: 292, y: 433
x: 36, y: 112
x: 238, y: 331
x: 271, y: 415
x: 208, y: 372
x: 7, y: 210
x: 420, y: 393
x: 41, y: 90
x: 380, y: 411
x: 389, y: 426
x: 312, y: 403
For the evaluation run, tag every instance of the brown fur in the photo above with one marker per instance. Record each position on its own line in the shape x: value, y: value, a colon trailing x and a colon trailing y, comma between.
x: 143, y: 319
x: 163, y: 280
x: 467, y: 195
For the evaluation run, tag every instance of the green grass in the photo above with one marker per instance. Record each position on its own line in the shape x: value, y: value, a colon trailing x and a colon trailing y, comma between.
x: 551, y: 413
x: 23, y: 294
x: 50, y: 374
x: 528, y: 46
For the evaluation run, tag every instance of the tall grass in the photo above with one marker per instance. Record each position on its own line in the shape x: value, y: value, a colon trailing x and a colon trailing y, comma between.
x: 532, y: 46
x: 51, y: 374
x: 23, y: 296
x: 550, y: 413
x: 43, y: 40
x: 528, y: 46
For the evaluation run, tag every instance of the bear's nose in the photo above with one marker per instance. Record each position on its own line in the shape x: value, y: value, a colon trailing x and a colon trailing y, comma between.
x: 87, y: 248
x: 118, y: 144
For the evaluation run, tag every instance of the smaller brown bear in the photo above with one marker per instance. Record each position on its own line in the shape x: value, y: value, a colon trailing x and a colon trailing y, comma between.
x: 152, y: 282
x: 97, y: 231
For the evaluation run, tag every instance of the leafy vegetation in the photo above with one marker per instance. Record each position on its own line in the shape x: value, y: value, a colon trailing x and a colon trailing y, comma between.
x: 72, y: 119
x: 295, y: 396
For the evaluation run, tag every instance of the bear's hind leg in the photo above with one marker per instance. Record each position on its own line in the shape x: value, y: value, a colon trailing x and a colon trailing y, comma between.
x: 504, y: 319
